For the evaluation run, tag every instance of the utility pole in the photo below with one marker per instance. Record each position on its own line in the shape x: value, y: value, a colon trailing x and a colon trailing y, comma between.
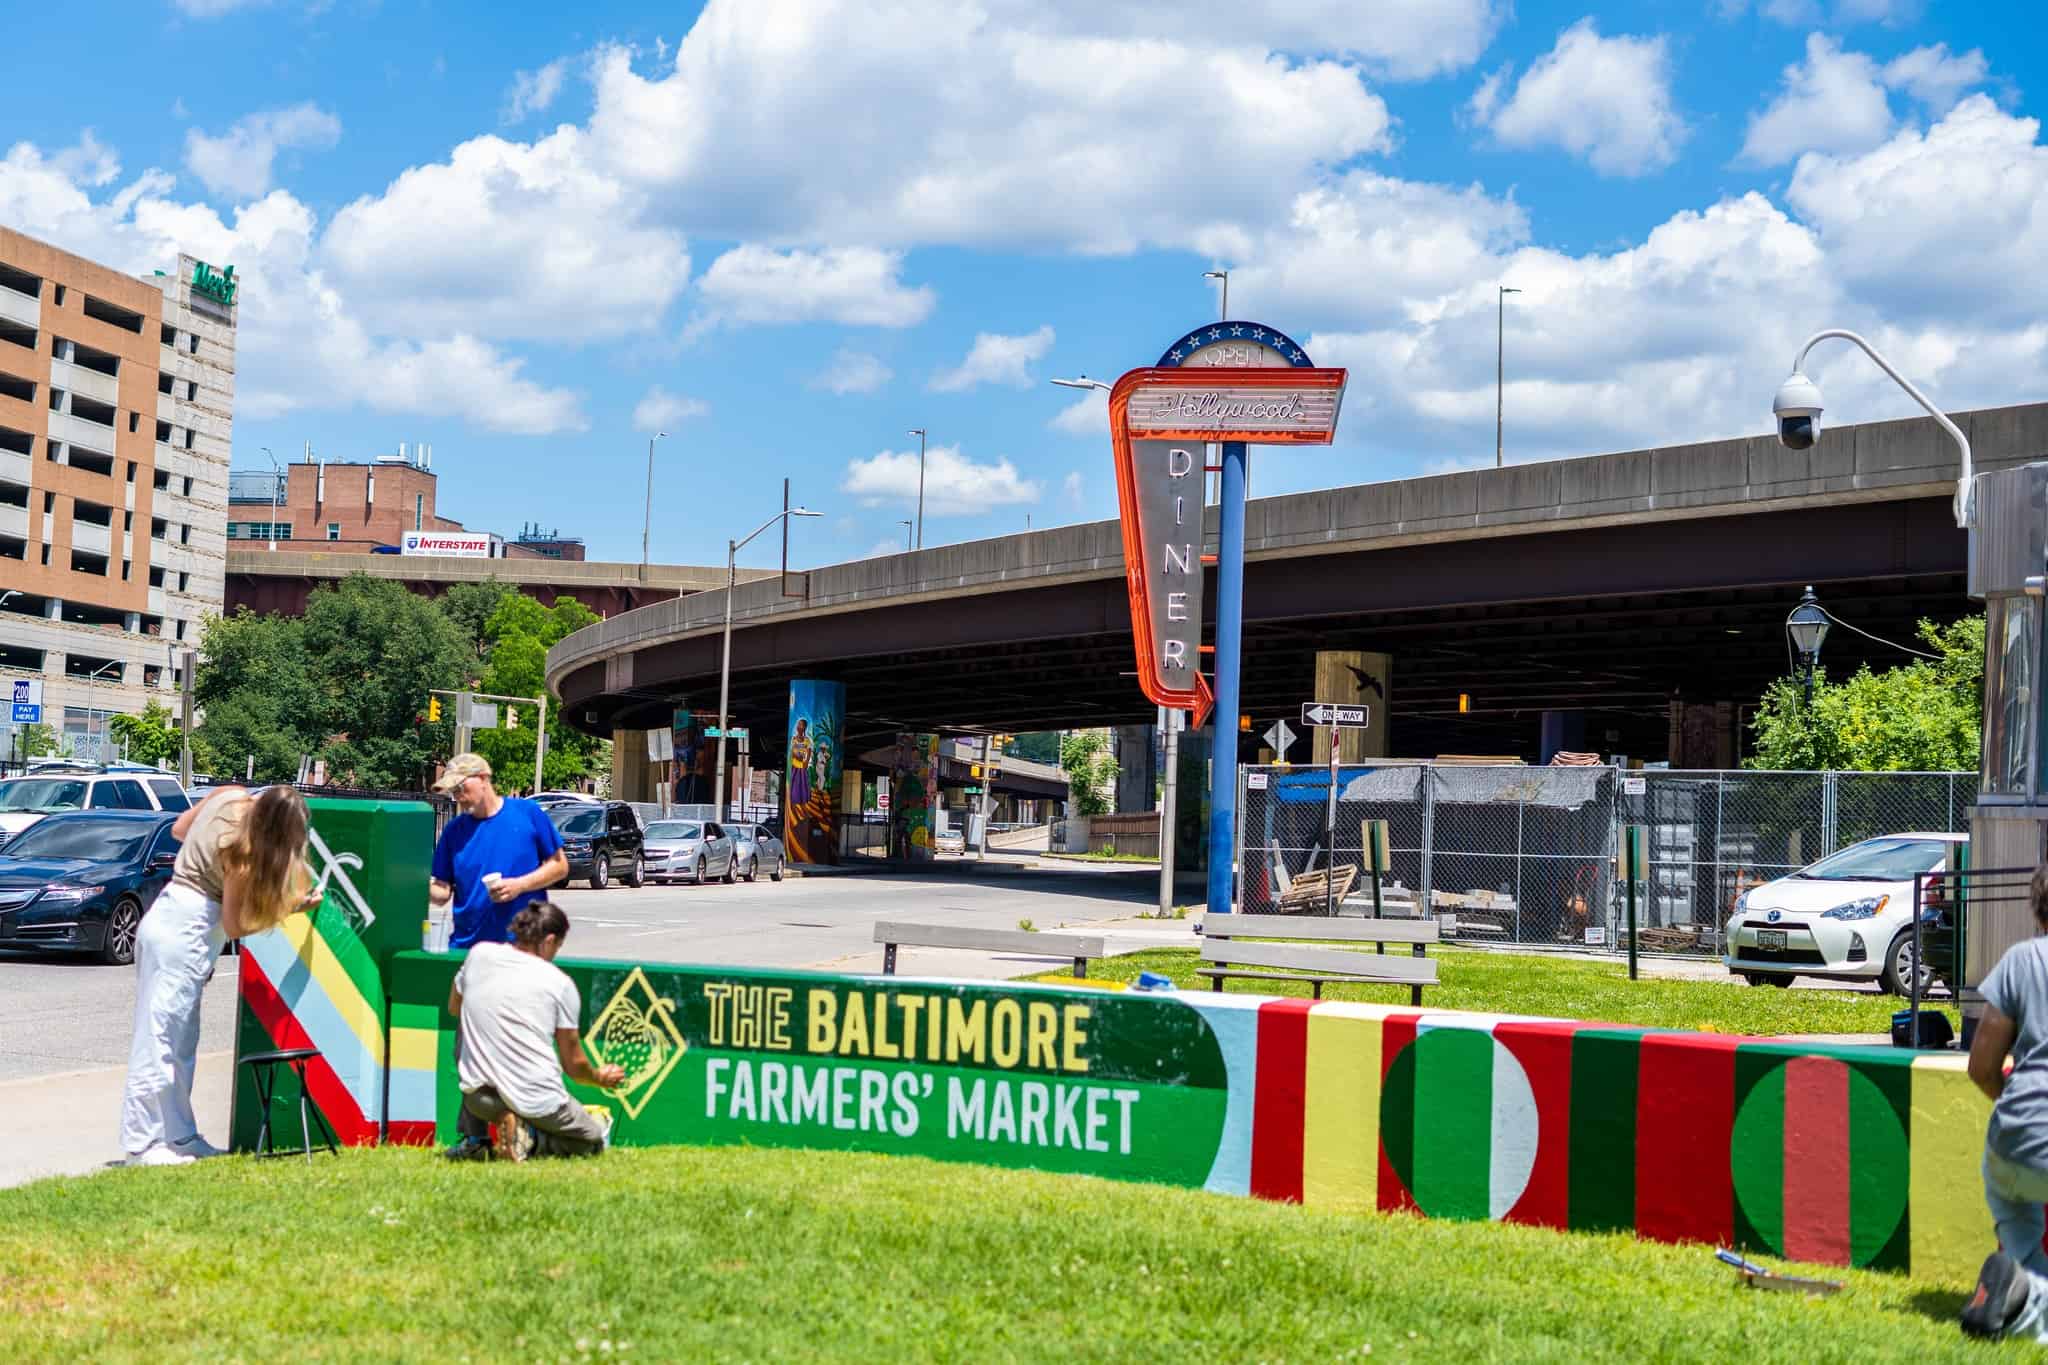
x: 988, y: 780
x: 1500, y: 353
x: 647, y: 512
x: 185, y: 723
x: 918, y: 432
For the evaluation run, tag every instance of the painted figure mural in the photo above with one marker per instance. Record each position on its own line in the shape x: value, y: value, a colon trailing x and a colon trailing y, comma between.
x: 810, y: 805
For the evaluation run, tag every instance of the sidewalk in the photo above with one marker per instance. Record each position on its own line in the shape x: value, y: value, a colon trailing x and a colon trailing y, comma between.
x: 70, y: 1123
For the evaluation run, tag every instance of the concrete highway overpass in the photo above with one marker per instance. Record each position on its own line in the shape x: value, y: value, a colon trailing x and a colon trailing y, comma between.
x: 265, y: 581
x: 1609, y: 586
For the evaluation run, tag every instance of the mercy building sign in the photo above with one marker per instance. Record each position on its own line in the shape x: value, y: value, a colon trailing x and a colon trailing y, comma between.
x: 1232, y: 381
x: 218, y: 285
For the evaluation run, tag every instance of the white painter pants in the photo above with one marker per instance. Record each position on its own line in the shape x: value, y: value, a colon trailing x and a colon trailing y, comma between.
x: 175, y: 950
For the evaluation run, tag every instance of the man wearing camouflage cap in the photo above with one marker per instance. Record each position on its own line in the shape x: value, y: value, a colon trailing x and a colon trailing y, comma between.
x: 494, y: 858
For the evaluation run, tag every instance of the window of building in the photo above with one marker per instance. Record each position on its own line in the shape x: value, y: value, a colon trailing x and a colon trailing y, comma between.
x: 188, y: 485
x: 334, y: 530
x: 163, y: 432
x: 113, y: 314
x: 192, y: 343
x: 181, y: 628
x: 188, y: 438
x: 183, y: 579
x: 156, y: 575
x: 16, y: 334
x: 18, y: 442
x: 126, y: 566
x: 169, y: 337
x: 191, y: 390
x: 60, y: 296
x: 20, y: 281
x: 159, y: 479
x: 156, y: 528
x: 419, y: 510
x: 164, y: 382
x: 14, y: 386
x: 185, y: 533
x: 134, y: 422
x: 131, y: 471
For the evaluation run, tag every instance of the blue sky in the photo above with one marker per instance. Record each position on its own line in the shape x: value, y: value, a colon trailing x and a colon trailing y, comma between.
x: 788, y: 231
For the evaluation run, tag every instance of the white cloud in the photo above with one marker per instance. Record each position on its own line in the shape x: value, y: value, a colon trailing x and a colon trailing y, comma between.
x: 1170, y: 135
x: 513, y: 239
x: 881, y: 548
x: 996, y: 359
x: 238, y: 163
x: 1807, y: 13
x: 1403, y: 39
x: 1933, y: 77
x: 1607, y: 100
x: 1087, y: 415
x: 660, y: 410
x: 852, y: 371
x: 1837, y: 101
x: 533, y: 91
x: 302, y: 344
x: 953, y: 484
x: 855, y: 286
x: 213, y: 9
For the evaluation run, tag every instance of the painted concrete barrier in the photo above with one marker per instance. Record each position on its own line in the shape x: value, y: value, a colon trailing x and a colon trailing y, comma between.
x: 1846, y: 1156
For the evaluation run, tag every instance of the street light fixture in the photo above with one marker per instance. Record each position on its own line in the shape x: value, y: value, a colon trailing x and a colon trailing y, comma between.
x: 647, y: 516
x: 918, y: 432
x: 1806, y: 627
x: 1083, y: 382
x: 276, y: 494
x: 904, y: 522
x: 1223, y: 313
x: 732, y: 550
x: 1500, y: 353
x: 1798, y: 408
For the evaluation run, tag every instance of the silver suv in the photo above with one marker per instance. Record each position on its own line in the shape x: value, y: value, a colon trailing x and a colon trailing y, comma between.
x: 25, y: 800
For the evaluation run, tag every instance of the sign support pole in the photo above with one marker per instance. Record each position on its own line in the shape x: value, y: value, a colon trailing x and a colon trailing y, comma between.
x: 1330, y: 835
x: 1229, y: 647
x: 1169, y: 720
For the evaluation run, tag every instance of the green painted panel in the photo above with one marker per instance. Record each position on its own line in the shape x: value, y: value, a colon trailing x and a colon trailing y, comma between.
x: 1603, y: 1125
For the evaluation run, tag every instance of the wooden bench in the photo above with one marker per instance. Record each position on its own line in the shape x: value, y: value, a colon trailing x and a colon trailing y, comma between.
x: 1311, y: 891
x: 1317, y: 962
x: 1079, y: 947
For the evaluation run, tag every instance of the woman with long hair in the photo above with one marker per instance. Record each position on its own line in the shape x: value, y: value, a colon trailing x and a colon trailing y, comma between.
x: 241, y: 869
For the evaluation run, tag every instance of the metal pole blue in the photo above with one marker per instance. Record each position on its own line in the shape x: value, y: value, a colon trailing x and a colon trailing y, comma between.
x: 1229, y: 642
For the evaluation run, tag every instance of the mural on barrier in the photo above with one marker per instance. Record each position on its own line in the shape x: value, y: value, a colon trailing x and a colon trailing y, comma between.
x: 811, y: 790
x: 318, y: 980
x: 914, y: 793
x: 1846, y: 1156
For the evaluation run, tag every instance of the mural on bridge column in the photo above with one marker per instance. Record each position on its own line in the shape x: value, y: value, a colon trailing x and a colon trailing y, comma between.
x: 810, y: 792
x: 689, y: 746
x: 913, y: 792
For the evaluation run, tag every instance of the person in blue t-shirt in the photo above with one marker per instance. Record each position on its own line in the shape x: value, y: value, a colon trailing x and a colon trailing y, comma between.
x: 492, y: 859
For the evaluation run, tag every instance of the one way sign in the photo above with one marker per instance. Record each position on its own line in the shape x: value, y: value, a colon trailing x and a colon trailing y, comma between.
x: 1342, y: 717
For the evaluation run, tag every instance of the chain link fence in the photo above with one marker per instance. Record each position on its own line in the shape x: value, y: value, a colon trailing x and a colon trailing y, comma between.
x: 1525, y: 855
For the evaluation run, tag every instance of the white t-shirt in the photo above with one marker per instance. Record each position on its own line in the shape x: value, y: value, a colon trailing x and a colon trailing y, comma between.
x: 512, y: 1003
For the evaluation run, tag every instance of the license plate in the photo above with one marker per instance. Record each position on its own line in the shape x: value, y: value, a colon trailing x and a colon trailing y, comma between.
x: 1772, y: 940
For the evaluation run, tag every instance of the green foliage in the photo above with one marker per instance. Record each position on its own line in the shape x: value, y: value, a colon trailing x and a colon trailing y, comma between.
x: 1091, y: 772
x: 1924, y: 716
x: 518, y: 635
x: 470, y: 606
x: 35, y: 741
x: 681, y: 1253
x: 1037, y: 746
x: 151, y: 737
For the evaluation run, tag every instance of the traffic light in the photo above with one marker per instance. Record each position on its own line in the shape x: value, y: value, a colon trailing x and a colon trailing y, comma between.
x: 974, y: 770
x: 511, y: 718
x: 433, y: 709
x: 1464, y: 702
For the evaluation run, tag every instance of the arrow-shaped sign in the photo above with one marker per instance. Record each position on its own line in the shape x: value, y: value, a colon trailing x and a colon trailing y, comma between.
x: 1340, y: 717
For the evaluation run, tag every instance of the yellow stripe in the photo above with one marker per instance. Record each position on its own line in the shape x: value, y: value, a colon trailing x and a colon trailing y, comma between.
x: 415, y: 1049
x: 334, y: 980
x: 1340, y: 1138
x: 1950, y: 1225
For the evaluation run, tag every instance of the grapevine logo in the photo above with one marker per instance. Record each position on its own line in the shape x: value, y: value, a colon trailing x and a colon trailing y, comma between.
x: 637, y: 1032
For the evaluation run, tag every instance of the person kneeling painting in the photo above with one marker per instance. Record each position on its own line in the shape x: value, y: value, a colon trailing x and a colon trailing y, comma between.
x: 517, y: 1013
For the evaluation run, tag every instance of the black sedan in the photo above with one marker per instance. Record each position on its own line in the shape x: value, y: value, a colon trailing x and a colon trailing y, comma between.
x: 79, y: 881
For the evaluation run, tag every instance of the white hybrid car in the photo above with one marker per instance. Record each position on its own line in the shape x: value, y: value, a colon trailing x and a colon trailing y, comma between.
x: 1848, y: 916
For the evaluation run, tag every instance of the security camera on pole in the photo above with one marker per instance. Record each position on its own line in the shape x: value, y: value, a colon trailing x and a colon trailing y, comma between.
x: 1237, y: 383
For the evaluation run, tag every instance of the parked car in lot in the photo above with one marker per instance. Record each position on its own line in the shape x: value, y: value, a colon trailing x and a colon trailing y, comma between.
x: 949, y: 841
x: 25, y: 800
x: 1848, y: 916
x: 756, y: 848
x: 601, y: 840
x: 80, y: 881
x: 690, y: 849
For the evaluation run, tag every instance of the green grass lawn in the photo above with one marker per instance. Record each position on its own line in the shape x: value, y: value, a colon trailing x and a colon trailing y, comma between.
x: 754, y: 1254
x: 1570, y: 988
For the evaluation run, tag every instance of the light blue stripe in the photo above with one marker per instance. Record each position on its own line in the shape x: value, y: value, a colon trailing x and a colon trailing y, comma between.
x: 1235, y: 1022
x: 359, y: 1072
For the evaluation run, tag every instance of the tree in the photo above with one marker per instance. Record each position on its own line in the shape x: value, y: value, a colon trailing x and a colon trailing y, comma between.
x: 519, y: 634
x: 251, y: 687
x: 470, y: 606
x: 151, y: 737
x: 35, y: 741
x: 1925, y: 716
x: 374, y: 651
x: 1036, y: 746
x: 1091, y: 772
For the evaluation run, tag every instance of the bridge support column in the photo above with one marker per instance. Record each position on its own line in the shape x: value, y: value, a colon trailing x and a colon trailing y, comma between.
x: 913, y: 796
x: 810, y: 789
x: 1354, y: 675
x: 1137, y: 774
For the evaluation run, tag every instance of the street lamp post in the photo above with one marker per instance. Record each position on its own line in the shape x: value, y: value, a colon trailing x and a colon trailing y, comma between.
x: 1500, y: 358
x: 918, y: 432
x: 1807, y: 626
x: 732, y: 551
x: 647, y: 514
x: 905, y: 523
x: 1798, y: 408
x: 1223, y: 306
x: 276, y: 495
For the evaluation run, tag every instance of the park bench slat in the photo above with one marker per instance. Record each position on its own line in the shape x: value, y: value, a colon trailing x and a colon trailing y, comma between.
x: 1347, y: 930
x: 1393, y: 968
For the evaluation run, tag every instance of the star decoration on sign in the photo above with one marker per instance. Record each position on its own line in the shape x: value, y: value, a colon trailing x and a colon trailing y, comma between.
x: 1237, y: 331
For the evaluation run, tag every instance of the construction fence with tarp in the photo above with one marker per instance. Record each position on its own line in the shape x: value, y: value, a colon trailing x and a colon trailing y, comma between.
x: 1525, y: 855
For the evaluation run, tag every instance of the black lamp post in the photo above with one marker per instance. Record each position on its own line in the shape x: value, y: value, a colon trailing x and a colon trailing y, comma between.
x: 1807, y: 626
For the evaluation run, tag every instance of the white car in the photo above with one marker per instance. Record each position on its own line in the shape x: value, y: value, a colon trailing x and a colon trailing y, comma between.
x: 1848, y: 916
x: 696, y: 849
x: 757, y: 848
x: 25, y: 800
